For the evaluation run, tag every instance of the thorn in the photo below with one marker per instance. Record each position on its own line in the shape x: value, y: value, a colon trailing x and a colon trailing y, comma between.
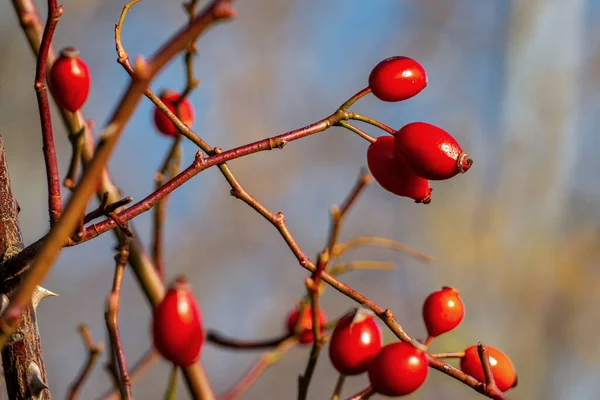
x: 39, y: 294
x: 3, y: 302
x: 34, y: 381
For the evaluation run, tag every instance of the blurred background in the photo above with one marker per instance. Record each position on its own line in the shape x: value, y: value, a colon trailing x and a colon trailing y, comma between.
x: 516, y: 82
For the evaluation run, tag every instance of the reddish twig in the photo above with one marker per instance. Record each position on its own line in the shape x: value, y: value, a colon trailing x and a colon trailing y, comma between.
x: 138, y: 369
x: 364, y: 394
x: 224, y: 341
x: 264, y: 362
x: 41, y: 91
x: 94, y: 351
x: 489, y: 388
x: 339, y: 213
x: 112, y: 319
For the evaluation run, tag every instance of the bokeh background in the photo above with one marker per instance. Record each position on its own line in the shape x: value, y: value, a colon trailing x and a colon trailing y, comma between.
x: 515, y: 82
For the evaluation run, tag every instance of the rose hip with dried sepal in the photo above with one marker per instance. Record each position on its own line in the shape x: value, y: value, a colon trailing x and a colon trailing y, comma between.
x: 69, y: 80
x: 355, y: 342
x: 393, y: 174
x: 177, y: 327
x: 443, y: 311
x: 430, y: 152
x: 397, y: 78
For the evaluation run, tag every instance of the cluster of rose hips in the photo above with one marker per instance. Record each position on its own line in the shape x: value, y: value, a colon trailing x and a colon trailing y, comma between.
x: 399, y: 368
x: 418, y: 152
x: 355, y: 346
x: 402, y: 164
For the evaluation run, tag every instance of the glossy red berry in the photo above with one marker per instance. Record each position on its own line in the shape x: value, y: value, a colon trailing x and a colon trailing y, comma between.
x: 305, y: 325
x: 393, y: 174
x: 177, y: 327
x: 397, y: 78
x: 399, y: 369
x: 354, y: 343
x: 430, y: 151
x: 186, y: 113
x: 503, y: 369
x: 443, y: 311
x: 69, y: 80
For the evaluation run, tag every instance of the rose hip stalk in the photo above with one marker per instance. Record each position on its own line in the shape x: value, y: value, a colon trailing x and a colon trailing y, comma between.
x: 393, y: 174
x: 431, y: 152
x: 69, y: 80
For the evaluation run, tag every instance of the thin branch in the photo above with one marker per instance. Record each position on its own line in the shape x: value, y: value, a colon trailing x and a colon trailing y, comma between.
x: 489, y: 388
x: 355, y: 98
x: 263, y: 363
x: 41, y: 91
x: 112, y: 320
x: 76, y: 139
x: 338, y: 387
x: 105, y: 208
x: 138, y: 369
x: 357, y: 130
x: 170, y: 166
x: 364, y: 394
x: 218, y: 339
x: 94, y: 352
x: 339, y: 213
x: 171, y: 393
x: 319, y: 340
x: 340, y: 269
x: 341, y: 248
x: 373, y: 122
x: 459, y: 354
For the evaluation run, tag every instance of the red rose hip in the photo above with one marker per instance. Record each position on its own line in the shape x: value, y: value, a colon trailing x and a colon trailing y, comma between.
x: 185, y: 113
x: 354, y: 343
x: 397, y: 78
x: 430, y: 152
x: 69, y: 80
x: 393, y: 174
x: 305, y: 325
x: 443, y: 311
x: 177, y: 327
x: 399, y: 369
x: 503, y: 369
